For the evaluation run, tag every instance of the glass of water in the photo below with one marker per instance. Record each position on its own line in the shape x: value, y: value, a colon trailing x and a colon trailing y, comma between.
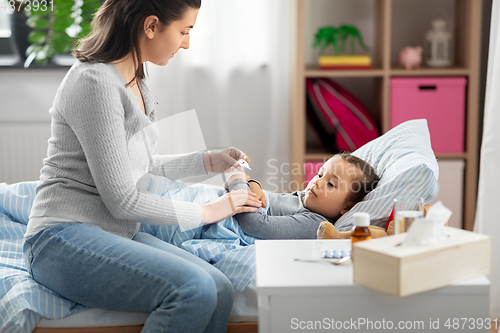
x: 406, y: 211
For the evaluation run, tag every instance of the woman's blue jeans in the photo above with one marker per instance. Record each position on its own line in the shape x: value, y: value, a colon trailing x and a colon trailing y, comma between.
x: 87, y: 265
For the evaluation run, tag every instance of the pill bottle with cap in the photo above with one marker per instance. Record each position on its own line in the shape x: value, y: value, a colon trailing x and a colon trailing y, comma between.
x: 361, y: 231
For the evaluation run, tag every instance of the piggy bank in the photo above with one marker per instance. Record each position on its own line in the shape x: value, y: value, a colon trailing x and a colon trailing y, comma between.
x: 410, y: 57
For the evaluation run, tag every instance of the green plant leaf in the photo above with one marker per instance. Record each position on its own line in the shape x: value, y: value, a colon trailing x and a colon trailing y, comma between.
x: 62, y: 47
x: 37, y: 22
x: 59, y: 11
x: 91, y: 3
x: 36, y: 13
x: 84, y: 32
x: 63, y: 5
x: 37, y: 37
x: 49, y: 51
x: 30, y: 58
x: 42, y: 57
x: 61, y: 42
x: 87, y: 14
x: 62, y: 23
x: 33, y: 48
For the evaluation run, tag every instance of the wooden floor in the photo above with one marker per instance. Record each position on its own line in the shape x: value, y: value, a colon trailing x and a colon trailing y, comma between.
x: 231, y: 328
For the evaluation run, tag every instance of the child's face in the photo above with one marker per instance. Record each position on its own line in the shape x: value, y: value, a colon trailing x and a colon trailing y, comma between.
x: 327, y: 192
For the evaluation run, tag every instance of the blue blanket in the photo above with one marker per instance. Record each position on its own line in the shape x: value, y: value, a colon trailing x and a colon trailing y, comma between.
x: 24, y: 302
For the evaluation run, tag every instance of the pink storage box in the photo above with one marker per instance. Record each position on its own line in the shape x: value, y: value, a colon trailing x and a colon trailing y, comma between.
x: 312, y: 168
x: 440, y: 100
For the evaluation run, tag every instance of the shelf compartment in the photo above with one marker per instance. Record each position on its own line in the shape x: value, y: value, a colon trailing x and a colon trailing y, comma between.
x: 411, y: 20
x: 359, y: 13
x: 366, y: 90
x: 314, y: 71
x: 426, y: 71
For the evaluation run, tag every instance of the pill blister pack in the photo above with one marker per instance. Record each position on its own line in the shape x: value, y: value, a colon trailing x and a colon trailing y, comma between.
x: 335, y: 254
x: 331, y: 249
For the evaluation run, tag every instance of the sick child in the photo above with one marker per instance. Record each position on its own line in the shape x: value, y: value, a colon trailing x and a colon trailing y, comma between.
x: 342, y: 181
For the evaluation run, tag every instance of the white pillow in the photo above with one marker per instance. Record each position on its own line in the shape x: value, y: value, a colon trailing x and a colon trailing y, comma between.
x: 404, y: 160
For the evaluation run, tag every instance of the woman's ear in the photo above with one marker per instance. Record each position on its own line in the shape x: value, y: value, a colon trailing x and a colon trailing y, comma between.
x: 151, y: 26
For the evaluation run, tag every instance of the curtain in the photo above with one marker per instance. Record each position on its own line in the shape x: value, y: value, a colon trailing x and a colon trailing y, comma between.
x: 487, y: 216
x: 236, y: 75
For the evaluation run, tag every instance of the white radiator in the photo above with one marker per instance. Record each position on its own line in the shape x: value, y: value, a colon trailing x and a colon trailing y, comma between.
x: 22, y: 150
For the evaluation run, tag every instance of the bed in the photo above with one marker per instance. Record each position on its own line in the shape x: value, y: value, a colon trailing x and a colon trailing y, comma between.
x: 402, y: 157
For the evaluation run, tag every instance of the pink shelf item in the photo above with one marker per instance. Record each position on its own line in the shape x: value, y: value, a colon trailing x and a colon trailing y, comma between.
x: 440, y: 100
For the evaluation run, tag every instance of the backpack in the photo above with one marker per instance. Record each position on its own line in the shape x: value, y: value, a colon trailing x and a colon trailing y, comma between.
x: 339, y: 120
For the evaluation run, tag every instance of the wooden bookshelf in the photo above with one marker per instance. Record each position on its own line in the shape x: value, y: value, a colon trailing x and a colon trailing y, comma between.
x: 467, y: 18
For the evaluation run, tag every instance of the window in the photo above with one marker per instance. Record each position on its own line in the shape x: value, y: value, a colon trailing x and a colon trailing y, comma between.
x: 8, y: 52
x: 8, y: 56
x: 4, y: 23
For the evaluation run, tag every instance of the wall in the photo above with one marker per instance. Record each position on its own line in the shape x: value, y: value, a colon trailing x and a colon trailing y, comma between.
x: 25, y: 99
x: 27, y: 95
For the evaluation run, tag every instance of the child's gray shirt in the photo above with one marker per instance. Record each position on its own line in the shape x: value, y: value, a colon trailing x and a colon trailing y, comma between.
x: 286, y: 217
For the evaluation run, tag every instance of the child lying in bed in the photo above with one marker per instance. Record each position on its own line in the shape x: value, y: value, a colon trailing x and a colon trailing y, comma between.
x: 341, y: 182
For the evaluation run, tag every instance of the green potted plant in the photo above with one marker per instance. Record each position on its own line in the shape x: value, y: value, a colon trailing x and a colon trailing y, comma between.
x: 56, y: 25
x: 337, y: 38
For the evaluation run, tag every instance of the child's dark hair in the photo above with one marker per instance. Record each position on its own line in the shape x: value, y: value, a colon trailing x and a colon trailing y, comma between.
x: 116, y: 27
x: 363, y: 184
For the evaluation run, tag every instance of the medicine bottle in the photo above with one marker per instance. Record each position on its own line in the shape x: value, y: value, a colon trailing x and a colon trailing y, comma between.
x: 361, y: 231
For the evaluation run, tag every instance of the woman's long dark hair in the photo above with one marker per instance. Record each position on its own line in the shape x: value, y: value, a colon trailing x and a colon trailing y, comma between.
x: 116, y: 27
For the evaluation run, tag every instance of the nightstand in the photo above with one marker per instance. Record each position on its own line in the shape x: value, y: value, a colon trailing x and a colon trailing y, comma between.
x: 295, y: 296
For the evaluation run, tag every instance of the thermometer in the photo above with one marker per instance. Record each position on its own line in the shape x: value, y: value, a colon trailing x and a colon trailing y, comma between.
x: 244, y: 164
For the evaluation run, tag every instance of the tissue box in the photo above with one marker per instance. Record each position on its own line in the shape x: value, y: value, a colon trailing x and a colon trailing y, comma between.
x: 383, y: 265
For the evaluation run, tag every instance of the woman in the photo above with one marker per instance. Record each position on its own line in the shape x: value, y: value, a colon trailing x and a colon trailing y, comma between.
x: 82, y: 239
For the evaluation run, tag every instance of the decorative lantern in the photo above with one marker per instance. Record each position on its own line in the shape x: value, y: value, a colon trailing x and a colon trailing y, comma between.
x: 439, y: 41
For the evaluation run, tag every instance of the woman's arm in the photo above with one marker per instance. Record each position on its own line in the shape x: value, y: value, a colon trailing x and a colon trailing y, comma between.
x: 168, y: 165
x: 198, y: 163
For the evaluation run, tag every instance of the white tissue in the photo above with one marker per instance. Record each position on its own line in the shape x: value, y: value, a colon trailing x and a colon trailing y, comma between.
x: 430, y: 228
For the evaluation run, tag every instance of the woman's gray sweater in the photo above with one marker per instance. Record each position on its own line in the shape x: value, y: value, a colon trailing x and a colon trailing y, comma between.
x: 100, y: 146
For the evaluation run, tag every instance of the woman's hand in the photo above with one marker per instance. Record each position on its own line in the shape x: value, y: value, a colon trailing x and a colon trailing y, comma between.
x: 223, y: 161
x: 240, y: 201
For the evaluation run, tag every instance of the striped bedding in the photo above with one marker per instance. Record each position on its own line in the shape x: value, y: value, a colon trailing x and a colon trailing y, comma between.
x: 24, y: 302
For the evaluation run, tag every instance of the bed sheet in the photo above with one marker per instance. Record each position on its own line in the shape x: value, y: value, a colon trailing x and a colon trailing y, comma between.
x: 24, y: 302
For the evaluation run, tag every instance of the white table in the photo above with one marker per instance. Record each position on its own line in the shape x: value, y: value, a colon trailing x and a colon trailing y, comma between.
x: 314, y: 297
